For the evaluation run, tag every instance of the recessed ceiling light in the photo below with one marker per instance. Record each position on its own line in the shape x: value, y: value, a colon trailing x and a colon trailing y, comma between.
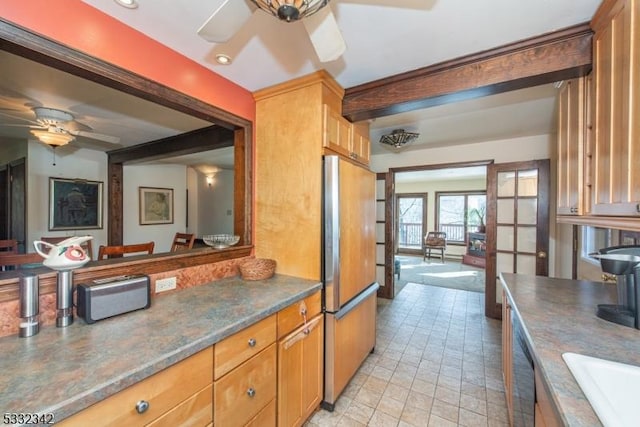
x: 223, y: 59
x: 130, y: 4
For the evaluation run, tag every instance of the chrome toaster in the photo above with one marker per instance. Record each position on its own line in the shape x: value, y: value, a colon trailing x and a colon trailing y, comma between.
x: 112, y: 296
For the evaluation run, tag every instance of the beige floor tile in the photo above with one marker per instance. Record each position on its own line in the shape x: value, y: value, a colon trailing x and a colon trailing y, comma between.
x: 474, y: 404
x: 346, y: 421
x: 395, y: 391
x: 419, y: 400
x: 436, y: 421
x: 391, y: 407
x: 380, y: 419
x: 445, y: 410
x: 359, y: 412
x: 368, y: 397
x: 414, y: 416
x: 447, y: 395
x: 375, y: 384
x: 471, y: 419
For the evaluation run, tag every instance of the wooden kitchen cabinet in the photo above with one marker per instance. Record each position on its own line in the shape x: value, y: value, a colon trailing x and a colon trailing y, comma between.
x: 571, y: 144
x: 290, y: 141
x: 180, y: 394
x: 615, y: 141
x: 300, y: 361
x: 507, y: 355
x: 245, y: 376
x: 344, y: 138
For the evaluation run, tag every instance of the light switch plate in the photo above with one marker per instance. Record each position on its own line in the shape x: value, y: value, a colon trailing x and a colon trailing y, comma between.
x: 167, y: 284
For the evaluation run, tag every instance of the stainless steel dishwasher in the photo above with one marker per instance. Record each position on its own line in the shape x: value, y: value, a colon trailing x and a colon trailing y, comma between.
x: 524, y: 392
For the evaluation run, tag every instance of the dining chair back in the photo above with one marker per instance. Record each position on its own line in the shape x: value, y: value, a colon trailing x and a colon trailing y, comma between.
x: 87, y: 246
x: 182, y: 241
x: 105, y: 252
x: 8, y: 246
x: 18, y: 261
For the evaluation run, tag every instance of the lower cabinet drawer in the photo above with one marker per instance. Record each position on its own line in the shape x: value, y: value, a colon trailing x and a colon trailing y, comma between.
x: 162, y: 392
x: 295, y: 315
x: 195, y: 411
x: 235, y: 349
x: 241, y: 394
x: 265, y: 418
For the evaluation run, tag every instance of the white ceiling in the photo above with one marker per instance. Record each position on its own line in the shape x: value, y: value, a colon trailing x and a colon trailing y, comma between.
x: 383, y: 37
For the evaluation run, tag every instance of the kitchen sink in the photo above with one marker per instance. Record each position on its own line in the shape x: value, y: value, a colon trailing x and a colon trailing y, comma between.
x: 612, y: 388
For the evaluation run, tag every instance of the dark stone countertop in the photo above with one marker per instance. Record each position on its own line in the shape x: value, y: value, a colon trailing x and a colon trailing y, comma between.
x: 64, y: 370
x: 559, y: 316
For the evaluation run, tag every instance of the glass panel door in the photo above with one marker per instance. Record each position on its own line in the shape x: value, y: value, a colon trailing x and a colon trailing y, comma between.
x: 518, y: 235
x: 412, y: 221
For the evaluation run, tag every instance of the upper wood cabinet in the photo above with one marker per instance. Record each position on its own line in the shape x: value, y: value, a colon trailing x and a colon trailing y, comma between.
x: 615, y: 141
x: 291, y: 135
x: 571, y: 142
x: 345, y: 138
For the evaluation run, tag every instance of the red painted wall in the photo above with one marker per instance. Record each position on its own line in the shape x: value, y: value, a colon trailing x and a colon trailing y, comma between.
x: 80, y: 26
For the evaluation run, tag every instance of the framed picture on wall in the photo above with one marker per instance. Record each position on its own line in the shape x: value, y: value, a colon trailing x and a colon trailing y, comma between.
x: 156, y: 205
x: 74, y: 204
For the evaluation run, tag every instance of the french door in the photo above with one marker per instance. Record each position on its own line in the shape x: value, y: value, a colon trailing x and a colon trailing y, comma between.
x: 412, y: 221
x: 517, y: 224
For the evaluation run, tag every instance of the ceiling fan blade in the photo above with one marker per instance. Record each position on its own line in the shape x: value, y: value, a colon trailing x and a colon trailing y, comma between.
x: 11, y: 116
x: 225, y: 21
x: 325, y: 35
x: 93, y: 135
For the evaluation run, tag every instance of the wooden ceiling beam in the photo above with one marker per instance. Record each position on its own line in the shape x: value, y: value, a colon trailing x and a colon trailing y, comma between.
x: 561, y: 55
x: 196, y: 141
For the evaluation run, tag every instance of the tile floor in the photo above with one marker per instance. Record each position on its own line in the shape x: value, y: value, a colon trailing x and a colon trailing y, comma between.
x: 437, y: 362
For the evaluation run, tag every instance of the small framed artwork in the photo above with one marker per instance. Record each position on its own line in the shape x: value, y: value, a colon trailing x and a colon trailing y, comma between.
x: 74, y: 204
x: 156, y: 205
x: 629, y: 238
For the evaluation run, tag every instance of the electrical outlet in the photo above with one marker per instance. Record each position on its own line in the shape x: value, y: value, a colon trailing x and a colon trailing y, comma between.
x: 166, y: 284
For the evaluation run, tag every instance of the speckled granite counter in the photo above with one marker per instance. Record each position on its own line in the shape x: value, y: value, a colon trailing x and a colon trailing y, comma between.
x: 559, y: 316
x: 64, y: 370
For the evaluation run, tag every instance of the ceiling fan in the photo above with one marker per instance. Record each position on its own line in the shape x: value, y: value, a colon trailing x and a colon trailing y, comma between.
x: 57, y: 127
x: 318, y: 20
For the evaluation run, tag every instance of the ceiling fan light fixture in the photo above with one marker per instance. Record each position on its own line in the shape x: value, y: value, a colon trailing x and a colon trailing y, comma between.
x: 398, y: 138
x: 51, y: 116
x: 55, y: 138
x: 290, y: 10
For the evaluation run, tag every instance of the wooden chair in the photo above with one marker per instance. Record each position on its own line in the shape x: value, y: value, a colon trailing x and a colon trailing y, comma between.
x: 87, y: 246
x: 435, y: 240
x: 8, y: 246
x: 105, y: 252
x: 182, y: 241
x: 18, y: 261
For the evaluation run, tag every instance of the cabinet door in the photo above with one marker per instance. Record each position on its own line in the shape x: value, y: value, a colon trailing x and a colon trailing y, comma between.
x: 337, y: 132
x: 616, y: 149
x: 571, y: 141
x: 361, y: 147
x: 300, y: 373
x: 507, y: 355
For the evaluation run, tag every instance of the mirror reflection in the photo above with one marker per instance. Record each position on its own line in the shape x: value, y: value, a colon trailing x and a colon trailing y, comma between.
x: 57, y: 125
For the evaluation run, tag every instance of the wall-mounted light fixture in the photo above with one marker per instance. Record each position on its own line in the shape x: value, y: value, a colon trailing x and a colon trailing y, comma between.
x: 209, y: 180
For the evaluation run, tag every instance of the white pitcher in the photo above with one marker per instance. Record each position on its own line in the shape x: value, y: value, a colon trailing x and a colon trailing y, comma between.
x: 66, y: 255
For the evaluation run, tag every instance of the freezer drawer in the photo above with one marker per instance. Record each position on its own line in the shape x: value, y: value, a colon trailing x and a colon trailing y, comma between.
x: 350, y: 335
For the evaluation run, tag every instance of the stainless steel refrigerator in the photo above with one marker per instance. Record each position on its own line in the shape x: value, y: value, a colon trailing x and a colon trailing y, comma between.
x: 349, y: 272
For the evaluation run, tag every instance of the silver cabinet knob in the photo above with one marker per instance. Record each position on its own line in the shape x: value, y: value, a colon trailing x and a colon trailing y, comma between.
x: 252, y: 342
x: 142, y: 406
x: 251, y: 392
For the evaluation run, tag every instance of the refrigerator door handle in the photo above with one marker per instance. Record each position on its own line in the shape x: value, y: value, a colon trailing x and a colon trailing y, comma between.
x: 362, y: 296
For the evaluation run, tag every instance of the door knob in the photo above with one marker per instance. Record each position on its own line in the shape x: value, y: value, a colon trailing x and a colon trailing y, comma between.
x: 542, y: 254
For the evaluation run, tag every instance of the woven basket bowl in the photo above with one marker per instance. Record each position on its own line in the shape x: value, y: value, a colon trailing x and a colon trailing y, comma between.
x: 257, y: 268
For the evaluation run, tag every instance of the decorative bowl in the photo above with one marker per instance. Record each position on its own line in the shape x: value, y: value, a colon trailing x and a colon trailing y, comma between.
x: 257, y: 268
x: 220, y: 241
